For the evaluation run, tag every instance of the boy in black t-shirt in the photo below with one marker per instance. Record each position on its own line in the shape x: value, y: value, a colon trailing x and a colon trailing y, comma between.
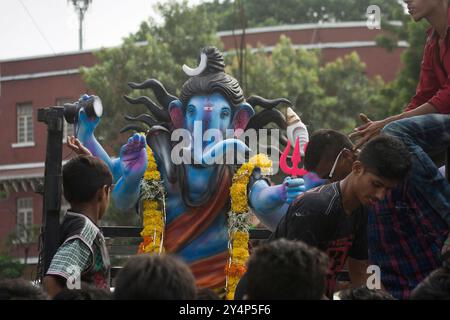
x: 332, y: 217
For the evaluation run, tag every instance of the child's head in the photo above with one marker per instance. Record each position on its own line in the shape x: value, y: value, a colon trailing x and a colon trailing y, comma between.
x: 363, y: 293
x: 20, y: 289
x: 87, y: 180
x: 287, y: 270
x: 382, y: 164
x: 155, y: 277
x: 435, y: 287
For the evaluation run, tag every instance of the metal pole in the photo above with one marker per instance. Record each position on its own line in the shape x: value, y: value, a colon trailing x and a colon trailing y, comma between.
x: 53, y: 117
x: 80, y: 31
x: 81, y: 6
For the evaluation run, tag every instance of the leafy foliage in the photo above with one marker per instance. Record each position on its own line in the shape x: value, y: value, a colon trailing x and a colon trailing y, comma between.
x: 329, y: 96
x: 10, y: 268
x: 276, y: 12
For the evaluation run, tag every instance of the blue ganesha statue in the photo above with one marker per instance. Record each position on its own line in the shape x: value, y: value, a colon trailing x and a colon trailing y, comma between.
x: 197, y: 191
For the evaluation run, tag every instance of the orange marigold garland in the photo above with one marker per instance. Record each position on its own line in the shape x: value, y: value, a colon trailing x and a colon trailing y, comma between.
x: 239, y: 222
x: 154, y: 211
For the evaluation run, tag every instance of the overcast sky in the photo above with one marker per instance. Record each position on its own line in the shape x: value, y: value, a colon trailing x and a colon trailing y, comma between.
x: 37, y: 27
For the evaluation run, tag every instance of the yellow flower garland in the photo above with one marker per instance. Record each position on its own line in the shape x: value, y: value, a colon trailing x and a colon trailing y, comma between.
x: 153, y: 216
x: 239, y: 223
x: 154, y: 219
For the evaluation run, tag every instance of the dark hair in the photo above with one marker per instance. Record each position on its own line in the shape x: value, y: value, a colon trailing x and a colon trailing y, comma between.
x: 325, y: 144
x: 154, y: 277
x: 285, y: 269
x: 363, y: 293
x: 83, y: 176
x: 87, y: 292
x: 20, y: 289
x: 435, y: 287
x: 386, y: 157
x: 213, y: 80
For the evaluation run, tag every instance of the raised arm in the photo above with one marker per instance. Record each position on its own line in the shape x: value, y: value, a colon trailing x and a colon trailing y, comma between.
x: 84, y: 131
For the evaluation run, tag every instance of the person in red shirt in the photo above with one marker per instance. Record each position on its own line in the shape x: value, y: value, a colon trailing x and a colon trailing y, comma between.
x: 433, y: 91
x: 424, y: 126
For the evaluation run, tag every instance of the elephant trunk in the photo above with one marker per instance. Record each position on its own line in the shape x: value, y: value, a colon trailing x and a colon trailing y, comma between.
x: 225, y: 147
x: 214, y: 154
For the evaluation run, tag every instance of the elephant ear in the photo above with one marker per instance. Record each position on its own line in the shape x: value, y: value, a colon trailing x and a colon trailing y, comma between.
x: 176, y: 114
x: 242, y: 116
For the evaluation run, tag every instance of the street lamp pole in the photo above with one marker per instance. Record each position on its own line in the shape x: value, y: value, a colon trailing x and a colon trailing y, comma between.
x: 81, y: 7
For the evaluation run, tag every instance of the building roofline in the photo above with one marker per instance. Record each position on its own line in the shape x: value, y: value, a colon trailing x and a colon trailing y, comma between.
x: 50, y: 55
x: 40, y: 75
x: 62, y: 54
x: 306, y: 26
x: 20, y: 166
x: 292, y: 27
x: 319, y: 45
x: 332, y: 45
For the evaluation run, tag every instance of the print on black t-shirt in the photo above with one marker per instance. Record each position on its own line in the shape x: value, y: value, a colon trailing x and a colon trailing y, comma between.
x: 318, y: 218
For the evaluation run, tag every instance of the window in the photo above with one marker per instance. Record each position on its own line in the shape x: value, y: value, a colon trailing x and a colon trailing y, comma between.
x: 24, y: 219
x: 25, y: 132
x: 68, y: 128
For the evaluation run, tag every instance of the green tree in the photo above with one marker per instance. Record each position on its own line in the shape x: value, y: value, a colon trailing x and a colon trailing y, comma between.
x: 10, y: 268
x: 118, y: 66
x: 346, y: 81
x: 184, y: 31
x: 24, y: 238
x: 276, y: 12
x: 397, y: 94
x: 328, y: 96
x: 404, y: 87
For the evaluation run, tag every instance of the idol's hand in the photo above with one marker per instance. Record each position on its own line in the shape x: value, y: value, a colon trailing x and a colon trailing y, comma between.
x: 133, y: 158
x: 293, y: 187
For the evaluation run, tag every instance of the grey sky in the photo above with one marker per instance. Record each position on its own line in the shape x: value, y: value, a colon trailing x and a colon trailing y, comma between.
x: 105, y: 24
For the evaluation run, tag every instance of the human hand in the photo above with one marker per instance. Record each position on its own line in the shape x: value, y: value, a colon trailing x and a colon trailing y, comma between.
x: 370, y: 129
x: 75, y: 144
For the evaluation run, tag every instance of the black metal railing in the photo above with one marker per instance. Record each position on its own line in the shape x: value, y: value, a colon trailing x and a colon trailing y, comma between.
x: 134, y: 232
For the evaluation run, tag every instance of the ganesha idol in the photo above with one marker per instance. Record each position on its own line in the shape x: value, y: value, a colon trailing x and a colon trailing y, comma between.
x: 199, y: 208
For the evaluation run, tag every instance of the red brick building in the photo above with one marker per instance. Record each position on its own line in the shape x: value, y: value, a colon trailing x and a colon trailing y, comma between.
x: 334, y: 39
x: 28, y: 84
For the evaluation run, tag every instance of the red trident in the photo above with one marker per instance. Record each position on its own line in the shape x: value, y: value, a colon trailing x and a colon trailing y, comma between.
x: 295, y: 170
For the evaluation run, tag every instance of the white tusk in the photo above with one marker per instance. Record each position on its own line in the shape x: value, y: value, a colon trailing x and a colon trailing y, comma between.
x: 199, y: 70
